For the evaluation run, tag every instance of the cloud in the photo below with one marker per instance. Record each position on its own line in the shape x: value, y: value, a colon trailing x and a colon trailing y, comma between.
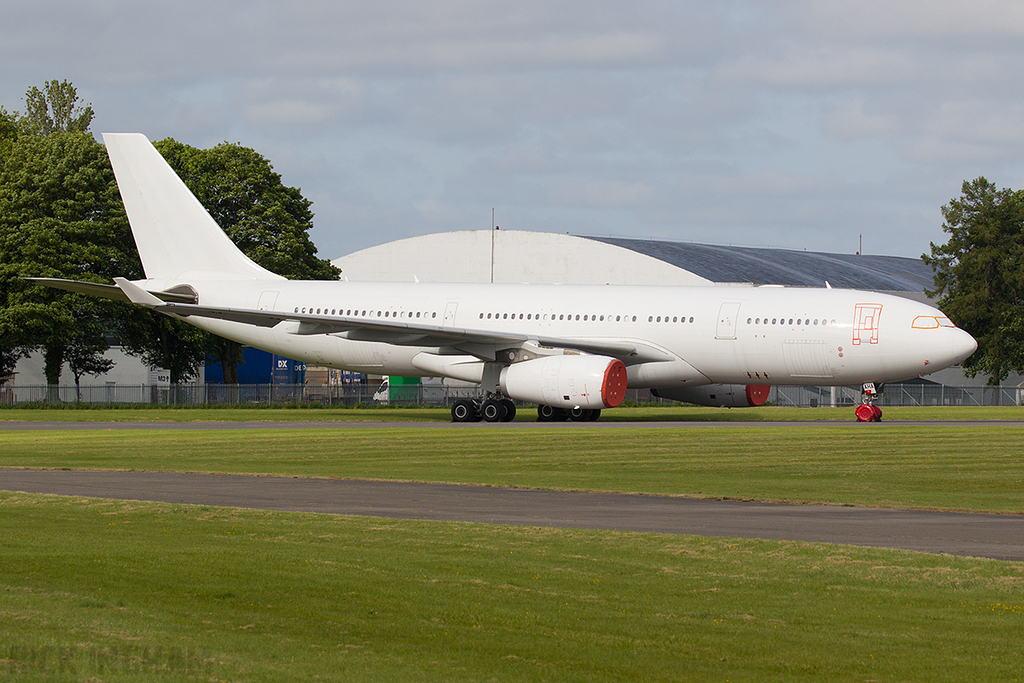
x: 802, y: 121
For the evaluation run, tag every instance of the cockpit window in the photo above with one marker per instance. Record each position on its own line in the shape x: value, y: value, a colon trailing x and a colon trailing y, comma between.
x: 931, y: 322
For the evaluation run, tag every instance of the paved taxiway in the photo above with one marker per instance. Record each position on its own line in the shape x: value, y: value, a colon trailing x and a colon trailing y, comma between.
x: 978, y: 535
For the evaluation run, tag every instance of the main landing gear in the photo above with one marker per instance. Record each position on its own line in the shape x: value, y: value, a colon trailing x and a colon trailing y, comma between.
x: 552, y: 414
x: 499, y: 409
x: 867, y: 411
x: 493, y: 409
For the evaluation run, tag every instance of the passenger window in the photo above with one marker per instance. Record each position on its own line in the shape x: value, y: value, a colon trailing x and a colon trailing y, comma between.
x: 434, y: 315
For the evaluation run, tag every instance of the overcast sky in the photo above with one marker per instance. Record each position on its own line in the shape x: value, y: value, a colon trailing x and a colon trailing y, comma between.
x: 796, y: 124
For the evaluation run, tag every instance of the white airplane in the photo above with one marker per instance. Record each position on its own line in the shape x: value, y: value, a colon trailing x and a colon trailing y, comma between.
x: 570, y: 349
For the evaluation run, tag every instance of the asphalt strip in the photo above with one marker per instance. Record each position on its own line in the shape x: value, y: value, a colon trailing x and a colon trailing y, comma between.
x: 993, y: 536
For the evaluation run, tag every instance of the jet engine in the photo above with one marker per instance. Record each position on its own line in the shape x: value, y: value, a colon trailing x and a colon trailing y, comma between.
x: 718, y: 395
x: 570, y: 381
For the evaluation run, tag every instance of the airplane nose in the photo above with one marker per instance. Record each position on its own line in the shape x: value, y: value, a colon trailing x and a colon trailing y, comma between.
x: 963, y: 345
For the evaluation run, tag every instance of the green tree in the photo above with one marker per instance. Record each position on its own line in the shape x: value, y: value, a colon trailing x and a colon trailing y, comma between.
x: 266, y: 219
x: 55, y: 108
x: 164, y: 342
x: 8, y: 131
x: 979, y: 275
x: 60, y: 216
x: 84, y: 346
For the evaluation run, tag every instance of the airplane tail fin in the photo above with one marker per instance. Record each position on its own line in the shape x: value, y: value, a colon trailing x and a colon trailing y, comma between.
x: 176, y: 237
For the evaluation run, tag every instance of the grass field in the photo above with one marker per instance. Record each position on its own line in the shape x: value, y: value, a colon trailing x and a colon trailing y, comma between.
x: 656, y: 412
x: 120, y: 591
x: 115, y: 591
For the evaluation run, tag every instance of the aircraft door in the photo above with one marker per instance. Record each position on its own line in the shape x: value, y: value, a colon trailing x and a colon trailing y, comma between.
x: 728, y: 315
x: 267, y: 301
x: 449, y: 313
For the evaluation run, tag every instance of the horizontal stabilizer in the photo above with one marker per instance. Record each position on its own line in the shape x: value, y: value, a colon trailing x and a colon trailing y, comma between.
x: 109, y: 291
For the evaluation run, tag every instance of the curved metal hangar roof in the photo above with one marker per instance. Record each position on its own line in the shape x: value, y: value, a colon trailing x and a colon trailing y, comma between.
x: 540, y: 257
x: 786, y: 267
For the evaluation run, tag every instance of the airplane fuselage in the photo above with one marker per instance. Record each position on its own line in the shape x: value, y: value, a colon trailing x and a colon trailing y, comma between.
x: 743, y: 335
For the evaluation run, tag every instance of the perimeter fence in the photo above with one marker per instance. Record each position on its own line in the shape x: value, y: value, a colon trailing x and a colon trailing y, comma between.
x: 912, y: 394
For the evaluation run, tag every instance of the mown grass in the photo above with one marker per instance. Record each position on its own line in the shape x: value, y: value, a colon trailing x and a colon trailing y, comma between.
x: 652, y: 413
x: 120, y: 591
x: 963, y: 467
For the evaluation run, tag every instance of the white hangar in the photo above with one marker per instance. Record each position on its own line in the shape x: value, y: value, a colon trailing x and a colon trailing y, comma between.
x: 515, y: 256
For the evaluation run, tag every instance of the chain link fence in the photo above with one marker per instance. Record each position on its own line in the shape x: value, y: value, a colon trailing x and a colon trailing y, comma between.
x: 911, y: 394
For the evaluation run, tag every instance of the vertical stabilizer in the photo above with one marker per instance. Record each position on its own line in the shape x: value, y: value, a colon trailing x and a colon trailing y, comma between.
x: 176, y: 237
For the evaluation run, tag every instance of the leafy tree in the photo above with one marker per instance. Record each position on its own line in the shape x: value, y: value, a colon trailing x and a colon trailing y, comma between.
x: 164, y: 342
x: 8, y: 131
x: 267, y: 220
x: 84, y: 347
x: 979, y: 274
x: 60, y: 216
x: 55, y: 108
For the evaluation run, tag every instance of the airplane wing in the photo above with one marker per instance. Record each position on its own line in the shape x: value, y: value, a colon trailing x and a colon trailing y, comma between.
x: 473, y: 342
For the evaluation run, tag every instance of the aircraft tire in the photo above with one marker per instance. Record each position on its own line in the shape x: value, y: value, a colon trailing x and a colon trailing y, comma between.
x: 546, y: 413
x: 579, y: 414
x: 493, y: 410
x: 510, y: 410
x: 463, y: 410
x: 594, y: 414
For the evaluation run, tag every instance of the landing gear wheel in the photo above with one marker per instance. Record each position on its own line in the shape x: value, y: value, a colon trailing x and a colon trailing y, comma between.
x: 510, y: 410
x: 493, y: 410
x: 463, y: 410
x: 546, y: 413
x: 579, y: 414
x: 594, y: 414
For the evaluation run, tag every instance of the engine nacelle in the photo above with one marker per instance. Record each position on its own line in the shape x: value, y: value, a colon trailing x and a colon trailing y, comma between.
x: 575, y: 381
x: 718, y: 395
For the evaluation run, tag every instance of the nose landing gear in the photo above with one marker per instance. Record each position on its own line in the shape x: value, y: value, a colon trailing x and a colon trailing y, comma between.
x: 867, y: 411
